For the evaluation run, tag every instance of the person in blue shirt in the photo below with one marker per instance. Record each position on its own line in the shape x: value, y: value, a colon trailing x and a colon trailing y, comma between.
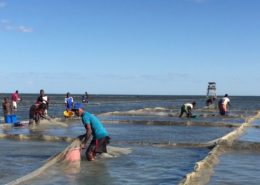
x: 68, y: 102
x: 94, y: 128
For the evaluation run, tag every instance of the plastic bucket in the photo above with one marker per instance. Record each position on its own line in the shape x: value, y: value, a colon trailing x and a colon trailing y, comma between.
x: 13, y: 118
x: 68, y: 114
x: 73, y: 155
x: 8, y: 119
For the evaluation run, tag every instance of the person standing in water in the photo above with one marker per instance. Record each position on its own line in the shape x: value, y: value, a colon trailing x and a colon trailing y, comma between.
x: 15, y: 99
x: 42, y: 98
x: 186, y: 108
x: 223, y: 105
x: 68, y: 102
x: 210, y: 101
x: 85, y: 98
x: 7, y: 107
x: 94, y: 128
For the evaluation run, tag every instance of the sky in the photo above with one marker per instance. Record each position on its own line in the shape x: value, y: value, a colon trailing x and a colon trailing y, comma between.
x: 143, y: 47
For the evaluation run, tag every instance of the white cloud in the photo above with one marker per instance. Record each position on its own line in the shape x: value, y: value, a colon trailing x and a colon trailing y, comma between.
x: 9, y: 26
x: 24, y: 29
x: 2, y: 4
x: 5, y: 21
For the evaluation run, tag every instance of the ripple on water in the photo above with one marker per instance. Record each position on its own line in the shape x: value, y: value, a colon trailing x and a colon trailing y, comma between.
x: 237, y: 167
x: 17, y: 158
x: 145, y: 165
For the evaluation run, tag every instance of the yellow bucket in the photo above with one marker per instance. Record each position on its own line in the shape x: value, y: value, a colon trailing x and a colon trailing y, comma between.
x: 68, y: 114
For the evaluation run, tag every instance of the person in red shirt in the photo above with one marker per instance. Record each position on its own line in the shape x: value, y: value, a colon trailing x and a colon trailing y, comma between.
x: 15, y: 99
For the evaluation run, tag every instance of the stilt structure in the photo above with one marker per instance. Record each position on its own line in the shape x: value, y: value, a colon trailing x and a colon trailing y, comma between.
x: 211, y: 92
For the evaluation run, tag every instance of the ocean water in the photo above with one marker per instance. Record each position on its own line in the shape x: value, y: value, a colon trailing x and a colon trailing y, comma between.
x: 164, y: 148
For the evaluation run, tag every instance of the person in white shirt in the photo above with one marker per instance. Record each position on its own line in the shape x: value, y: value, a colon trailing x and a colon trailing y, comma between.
x: 42, y: 98
x: 186, y: 108
x: 223, y: 105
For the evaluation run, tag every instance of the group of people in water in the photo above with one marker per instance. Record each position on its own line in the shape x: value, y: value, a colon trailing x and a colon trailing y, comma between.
x: 37, y: 111
x: 8, y: 106
x: 94, y: 128
x: 223, y: 105
x: 95, y: 131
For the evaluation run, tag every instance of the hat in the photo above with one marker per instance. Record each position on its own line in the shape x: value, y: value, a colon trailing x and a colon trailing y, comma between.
x: 77, y: 106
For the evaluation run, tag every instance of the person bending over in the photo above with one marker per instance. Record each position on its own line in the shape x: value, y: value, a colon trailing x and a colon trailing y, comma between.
x: 95, y: 129
x: 37, y: 112
x: 186, y: 108
x: 223, y: 105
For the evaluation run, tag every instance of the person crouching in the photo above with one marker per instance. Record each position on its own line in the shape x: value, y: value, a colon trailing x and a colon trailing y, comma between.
x: 186, y: 108
x: 37, y: 112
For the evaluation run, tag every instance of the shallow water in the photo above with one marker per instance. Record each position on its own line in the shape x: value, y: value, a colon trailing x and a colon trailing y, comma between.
x: 252, y: 135
x: 148, y: 163
x: 145, y: 165
x: 134, y: 133
x: 237, y: 167
x: 240, y: 166
x: 20, y: 157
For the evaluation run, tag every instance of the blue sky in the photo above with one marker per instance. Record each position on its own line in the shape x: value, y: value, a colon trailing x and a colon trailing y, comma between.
x: 154, y: 47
